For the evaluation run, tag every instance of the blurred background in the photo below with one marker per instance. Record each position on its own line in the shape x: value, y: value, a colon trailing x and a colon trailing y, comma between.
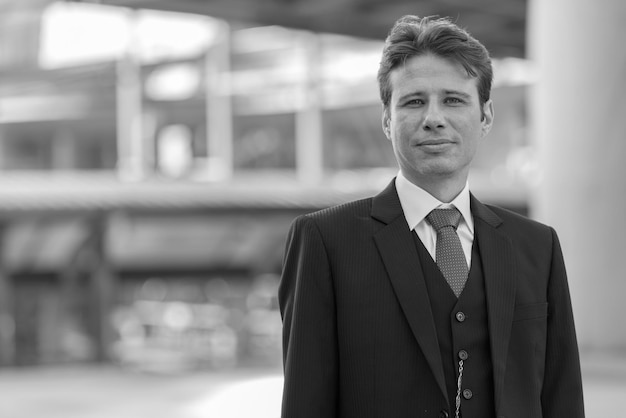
x: 153, y: 154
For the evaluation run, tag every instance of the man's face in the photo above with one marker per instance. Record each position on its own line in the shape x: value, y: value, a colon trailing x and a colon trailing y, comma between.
x: 434, y: 119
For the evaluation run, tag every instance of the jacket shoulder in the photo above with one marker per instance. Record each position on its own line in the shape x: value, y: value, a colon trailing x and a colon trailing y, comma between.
x: 343, y: 211
x: 516, y: 223
x: 345, y: 220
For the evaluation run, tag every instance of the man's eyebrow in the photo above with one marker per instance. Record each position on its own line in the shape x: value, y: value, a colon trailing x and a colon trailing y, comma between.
x: 458, y: 93
x: 420, y: 93
x: 416, y: 93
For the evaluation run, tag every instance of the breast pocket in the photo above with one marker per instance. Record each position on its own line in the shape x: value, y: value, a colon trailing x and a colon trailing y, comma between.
x: 530, y: 311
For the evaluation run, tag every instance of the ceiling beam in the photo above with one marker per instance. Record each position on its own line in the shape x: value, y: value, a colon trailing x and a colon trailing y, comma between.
x: 500, y: 24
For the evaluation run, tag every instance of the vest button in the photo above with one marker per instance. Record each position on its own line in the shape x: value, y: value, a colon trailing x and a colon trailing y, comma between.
x: 460, y: 316
x: 467, y: 394
x: 463, y: 355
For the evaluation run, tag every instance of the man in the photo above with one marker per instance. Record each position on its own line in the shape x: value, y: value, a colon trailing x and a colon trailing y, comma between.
x: 422, y: 301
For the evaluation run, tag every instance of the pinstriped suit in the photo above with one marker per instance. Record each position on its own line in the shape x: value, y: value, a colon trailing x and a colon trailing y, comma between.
x: 359, y: 338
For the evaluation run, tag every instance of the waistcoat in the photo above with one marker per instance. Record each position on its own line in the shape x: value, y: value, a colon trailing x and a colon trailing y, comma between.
x: 462, y: 331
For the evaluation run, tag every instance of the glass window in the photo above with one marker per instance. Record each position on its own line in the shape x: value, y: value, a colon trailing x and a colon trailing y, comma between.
x: 264, y: 141
x: 353, y: 138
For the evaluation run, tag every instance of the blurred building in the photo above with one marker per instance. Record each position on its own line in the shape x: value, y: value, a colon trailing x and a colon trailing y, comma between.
x: 151, y: 163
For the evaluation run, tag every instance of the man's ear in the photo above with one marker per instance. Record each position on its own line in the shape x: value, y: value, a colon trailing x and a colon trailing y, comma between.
x: 487, y: 117
x: 386, y: 122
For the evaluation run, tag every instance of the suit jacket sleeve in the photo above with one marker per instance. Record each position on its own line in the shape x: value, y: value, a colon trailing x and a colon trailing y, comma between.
x: 307, y: 307
x: 562, y: 395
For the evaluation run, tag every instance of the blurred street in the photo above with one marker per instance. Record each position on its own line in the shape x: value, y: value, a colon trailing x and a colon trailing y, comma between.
x: 109, y: 392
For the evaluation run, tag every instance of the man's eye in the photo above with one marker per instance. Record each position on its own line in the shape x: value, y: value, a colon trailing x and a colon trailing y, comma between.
x: 453, y: 100
x: 414, y: 102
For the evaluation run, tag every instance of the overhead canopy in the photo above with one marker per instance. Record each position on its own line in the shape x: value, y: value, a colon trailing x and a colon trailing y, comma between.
x: 499, y: 24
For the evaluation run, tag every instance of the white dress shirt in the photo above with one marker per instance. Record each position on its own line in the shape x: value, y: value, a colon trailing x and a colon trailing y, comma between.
x: 417, y: 203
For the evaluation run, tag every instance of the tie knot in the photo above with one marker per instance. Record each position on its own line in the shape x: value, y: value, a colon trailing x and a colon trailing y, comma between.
x: 440, y: 218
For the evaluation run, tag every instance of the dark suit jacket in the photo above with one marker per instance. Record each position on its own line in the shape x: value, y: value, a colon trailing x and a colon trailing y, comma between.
x: 358, y: 334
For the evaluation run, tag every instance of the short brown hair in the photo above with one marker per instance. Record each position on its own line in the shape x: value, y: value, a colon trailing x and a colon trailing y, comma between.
x: 413, y: 36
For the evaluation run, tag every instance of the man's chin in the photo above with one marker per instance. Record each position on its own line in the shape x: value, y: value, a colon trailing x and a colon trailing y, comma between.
x: 442, y: 171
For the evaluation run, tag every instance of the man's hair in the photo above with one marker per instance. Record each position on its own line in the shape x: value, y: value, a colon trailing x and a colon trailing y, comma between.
x: 413, y: 36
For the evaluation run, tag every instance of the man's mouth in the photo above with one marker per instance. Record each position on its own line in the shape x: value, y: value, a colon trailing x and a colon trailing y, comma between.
x: 434, y: 142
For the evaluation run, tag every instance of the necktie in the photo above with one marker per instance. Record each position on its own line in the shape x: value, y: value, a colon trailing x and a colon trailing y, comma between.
x: 449, y: 252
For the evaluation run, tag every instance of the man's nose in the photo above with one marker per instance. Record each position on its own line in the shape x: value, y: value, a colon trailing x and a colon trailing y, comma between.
x: 433, y: 118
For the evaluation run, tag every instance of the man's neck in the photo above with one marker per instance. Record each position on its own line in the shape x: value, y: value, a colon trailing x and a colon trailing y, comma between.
x: 444, y: 190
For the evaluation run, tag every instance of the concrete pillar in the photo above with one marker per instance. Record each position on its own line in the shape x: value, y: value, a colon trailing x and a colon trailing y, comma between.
x: 103, y: 283
x: 309, y: 153
x: 577, y: 113
x: 131, y: 149
x: 219, y: 108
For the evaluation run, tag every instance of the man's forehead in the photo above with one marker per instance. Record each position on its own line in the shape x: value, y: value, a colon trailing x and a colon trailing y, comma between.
x: 430, y: 72
x: 430, y: 65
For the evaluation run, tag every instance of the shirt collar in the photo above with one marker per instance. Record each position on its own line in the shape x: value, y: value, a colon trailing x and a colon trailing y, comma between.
x: 417, y: 203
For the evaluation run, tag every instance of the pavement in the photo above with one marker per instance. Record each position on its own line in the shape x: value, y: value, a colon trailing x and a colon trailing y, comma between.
x: 112, y: 392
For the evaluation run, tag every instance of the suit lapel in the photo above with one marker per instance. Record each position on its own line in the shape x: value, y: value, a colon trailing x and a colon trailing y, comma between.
x: 397, y: 249
x: 496, y: 253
